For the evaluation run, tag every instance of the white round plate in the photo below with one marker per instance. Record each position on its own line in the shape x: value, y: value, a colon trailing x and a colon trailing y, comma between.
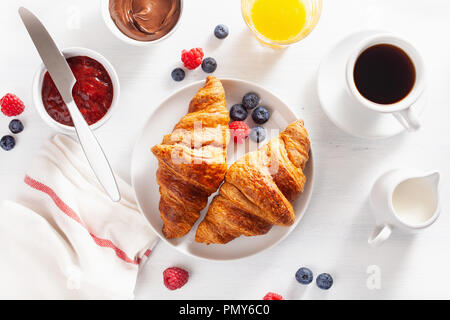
x: 340, y: 107
x: 144, y: 166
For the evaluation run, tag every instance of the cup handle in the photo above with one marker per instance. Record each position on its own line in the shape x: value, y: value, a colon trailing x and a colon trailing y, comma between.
x: 379, y: 235
x: 408, y: 119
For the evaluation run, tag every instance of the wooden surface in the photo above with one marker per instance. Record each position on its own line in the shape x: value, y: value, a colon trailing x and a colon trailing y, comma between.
x: 332, y: 237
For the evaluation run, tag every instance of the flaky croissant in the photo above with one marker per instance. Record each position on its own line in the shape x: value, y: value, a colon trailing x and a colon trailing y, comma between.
x: 192, y: 159
x: 258, y: 189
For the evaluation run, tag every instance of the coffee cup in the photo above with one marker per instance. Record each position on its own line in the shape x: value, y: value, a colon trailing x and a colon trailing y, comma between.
x: 386, y: 74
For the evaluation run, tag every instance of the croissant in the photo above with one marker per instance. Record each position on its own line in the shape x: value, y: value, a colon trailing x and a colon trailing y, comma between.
x: 192, y: 159
x: 258, y: 189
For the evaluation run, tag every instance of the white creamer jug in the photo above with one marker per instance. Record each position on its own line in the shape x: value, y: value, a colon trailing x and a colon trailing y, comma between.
x: 406, y: 199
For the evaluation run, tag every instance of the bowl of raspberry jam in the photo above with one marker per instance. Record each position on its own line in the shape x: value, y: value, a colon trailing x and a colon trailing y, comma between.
x: 95, y: 93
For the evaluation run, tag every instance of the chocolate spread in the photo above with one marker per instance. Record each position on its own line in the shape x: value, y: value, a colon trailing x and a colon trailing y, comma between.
x: 145, y: 20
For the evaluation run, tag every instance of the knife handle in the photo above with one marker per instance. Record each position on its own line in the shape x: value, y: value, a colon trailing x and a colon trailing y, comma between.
x: 94, y: 153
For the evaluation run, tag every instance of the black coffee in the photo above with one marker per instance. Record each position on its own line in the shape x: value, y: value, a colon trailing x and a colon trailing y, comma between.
x: 384, y: 74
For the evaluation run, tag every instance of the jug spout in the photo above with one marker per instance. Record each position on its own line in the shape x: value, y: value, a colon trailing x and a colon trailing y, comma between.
x: 433, y: 178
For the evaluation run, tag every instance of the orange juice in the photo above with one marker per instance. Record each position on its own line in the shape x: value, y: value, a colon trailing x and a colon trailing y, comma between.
x: 278, y: 20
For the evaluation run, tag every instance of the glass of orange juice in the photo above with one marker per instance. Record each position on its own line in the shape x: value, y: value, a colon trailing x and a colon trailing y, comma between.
x: 279, y: 23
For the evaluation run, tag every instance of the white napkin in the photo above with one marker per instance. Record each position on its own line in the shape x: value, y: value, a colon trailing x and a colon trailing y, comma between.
x: 64, y: 238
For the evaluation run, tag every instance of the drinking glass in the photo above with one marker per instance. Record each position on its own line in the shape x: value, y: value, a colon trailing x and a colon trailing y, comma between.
x: 313, y: 10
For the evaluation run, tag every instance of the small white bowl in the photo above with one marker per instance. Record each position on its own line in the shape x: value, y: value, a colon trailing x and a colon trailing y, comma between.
x: 71, y: 52
x: 113, y: 28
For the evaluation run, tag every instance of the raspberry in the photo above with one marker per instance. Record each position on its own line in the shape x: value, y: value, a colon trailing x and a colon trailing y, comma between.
x: 175, y: 278
x: 192, y: 58
x: 272, y: 296
x: 11, y: 105
x: 239, y: 130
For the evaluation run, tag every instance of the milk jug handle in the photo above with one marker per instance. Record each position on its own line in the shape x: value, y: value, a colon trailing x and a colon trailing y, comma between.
x: 379, y: 235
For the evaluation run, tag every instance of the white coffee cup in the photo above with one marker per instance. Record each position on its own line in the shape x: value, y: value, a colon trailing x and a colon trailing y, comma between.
x: 402, y: 110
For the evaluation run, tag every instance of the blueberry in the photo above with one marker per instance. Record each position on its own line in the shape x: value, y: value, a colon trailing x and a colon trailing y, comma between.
x: 16, y: 126
x: 221, y: 31
x: 304, y: 275
x: 209, y: 65
x: 7, y: 143
x: 238, y: 112
x: 250, y: 100
x: 258, y: 134
x: 324, y: 281
x: 178, y: 74
x: 260, y: 115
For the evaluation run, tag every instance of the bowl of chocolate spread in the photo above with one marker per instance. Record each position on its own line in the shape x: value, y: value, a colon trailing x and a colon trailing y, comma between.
x: 142, y: 22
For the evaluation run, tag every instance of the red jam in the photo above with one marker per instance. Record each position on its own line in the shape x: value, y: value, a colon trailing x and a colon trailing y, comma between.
x: 92, y: 93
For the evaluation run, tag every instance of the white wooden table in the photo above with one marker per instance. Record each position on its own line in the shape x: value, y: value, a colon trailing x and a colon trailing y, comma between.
x: 332, y: 237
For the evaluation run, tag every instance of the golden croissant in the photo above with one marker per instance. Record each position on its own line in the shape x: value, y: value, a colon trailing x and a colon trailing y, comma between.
x: 192, y: 159
x: 258, y: 189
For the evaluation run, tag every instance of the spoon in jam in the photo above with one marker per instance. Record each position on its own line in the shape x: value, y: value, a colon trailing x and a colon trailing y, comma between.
x: 64, y: 80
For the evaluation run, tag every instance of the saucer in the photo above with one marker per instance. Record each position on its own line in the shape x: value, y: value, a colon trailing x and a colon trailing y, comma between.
x: 341, y: 108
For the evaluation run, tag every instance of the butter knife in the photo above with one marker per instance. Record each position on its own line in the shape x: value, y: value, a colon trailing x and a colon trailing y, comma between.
x: 65, y: 80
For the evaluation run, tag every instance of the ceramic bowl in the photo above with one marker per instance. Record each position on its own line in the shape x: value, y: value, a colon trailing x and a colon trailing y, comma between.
x: 71, y: 52
x: 115, y: 31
